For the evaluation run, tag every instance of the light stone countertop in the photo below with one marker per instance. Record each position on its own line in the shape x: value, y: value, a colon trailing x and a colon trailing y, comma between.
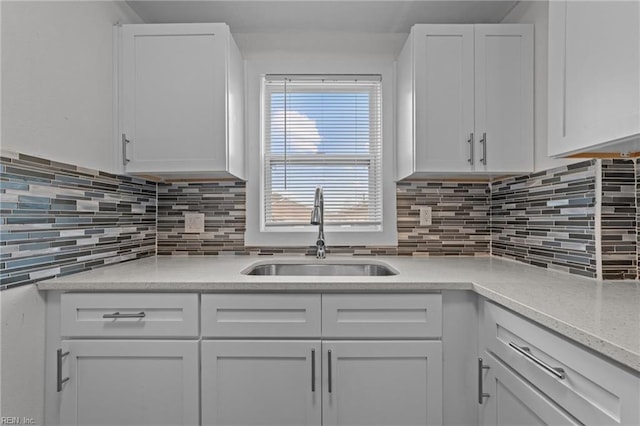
x: 601, y: 315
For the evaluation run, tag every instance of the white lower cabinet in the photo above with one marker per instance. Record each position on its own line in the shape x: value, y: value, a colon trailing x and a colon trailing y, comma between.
x: 385, y: 383
x: 127, y: 382
x: 255, y: 382
x: 537, y: 375
x: 331, y: 383
x: 319, y: 359
x: 322, y: 378
x: 510, y: 400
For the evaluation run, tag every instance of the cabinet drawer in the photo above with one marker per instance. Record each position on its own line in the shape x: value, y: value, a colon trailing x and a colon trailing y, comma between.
x: 382, y: 315
x: 511, y: 400
x: 590, y: 388
x: 260, y: 315
x: 129, y: 315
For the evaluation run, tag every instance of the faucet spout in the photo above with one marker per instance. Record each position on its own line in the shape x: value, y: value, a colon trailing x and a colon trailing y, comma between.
x: 317, y: 218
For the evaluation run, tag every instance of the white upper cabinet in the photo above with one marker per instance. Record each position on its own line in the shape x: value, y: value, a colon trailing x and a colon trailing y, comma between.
x: 594, y: 76
x: 465, y: 100
x: 504, y: 98
x: 181, y: 100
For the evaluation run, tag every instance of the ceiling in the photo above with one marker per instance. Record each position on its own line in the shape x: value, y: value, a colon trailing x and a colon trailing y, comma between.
x: 289, y: 16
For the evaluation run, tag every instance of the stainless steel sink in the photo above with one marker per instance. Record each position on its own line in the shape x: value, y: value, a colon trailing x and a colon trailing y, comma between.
x: 321, y: 269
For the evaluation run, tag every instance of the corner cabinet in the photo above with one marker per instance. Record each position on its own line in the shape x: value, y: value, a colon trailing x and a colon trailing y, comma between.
x: 511, y: 400
x: 594, y: 76
x: 465, y: 100
x: 528, y: 375
x: 181, y: 101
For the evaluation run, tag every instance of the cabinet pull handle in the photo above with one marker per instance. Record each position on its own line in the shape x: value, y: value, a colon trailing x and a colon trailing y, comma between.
x: 117, y: 315
x: 313, y: 370
x: 329, y: 369
x: 481, y: 393
x: 483, y: 141
x: 524, y: 350
x: 60, y: 381
x: 125, y: 141
x: 471, y: 149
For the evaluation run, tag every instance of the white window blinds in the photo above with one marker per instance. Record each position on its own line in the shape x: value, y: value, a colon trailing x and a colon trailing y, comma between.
x: 322, y: 131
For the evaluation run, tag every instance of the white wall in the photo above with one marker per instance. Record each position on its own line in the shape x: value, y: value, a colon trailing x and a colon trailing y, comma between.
x: 22, y: 312
x: 537, y: 13
x: 57, y: 79
x: 57, y: 103
x: 259, y: 46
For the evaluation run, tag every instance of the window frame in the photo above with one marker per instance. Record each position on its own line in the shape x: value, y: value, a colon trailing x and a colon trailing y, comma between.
x: 372, y: 160
x: 300, y: 236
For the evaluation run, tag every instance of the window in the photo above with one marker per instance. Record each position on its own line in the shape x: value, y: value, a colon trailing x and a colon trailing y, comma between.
x: 322, y: 131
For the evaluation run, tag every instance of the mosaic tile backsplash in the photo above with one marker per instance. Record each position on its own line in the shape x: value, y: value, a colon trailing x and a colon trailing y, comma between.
x: 460, y: 218
x: 637, y: 181
x: 547, y: 219
x: 618, y: 220
x: 460, y: 221
x: 58, y: 219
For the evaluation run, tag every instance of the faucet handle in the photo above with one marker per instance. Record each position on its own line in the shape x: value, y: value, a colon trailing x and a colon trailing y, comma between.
x: 320, y: 250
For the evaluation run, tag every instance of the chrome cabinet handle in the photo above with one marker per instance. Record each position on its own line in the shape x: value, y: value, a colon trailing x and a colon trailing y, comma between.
x: 329, y: 369
x: 481, y: 393
x: 125, y: 141
x: 117, y: 315
x: 483, y: 141
x: 471, y: 149
x: 60, y: 380
x: 524, y: 350
x: 313, y: 370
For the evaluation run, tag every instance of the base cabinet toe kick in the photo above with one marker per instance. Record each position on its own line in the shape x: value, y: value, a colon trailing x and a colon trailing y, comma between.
x: 318, y: 359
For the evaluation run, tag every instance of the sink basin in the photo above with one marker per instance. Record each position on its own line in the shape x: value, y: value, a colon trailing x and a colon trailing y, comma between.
x: 321, y: 269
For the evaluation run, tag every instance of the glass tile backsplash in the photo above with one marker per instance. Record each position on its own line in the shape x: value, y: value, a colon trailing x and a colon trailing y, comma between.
x: 59, y: 219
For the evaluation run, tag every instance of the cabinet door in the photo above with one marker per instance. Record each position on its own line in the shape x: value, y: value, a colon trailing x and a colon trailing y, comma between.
x: 513, y: 401
x: 127, y: 382
x: 443, y: 56
x: 594, y: 73
x: 173, y: 85
x: 261, y: 383
x: 504, y: 98
x: 386, y: 383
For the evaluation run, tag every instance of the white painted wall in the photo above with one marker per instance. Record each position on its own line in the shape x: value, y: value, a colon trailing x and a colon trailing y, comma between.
x: 57, y: 103
x: 537, y: 13
x: 22, y: 340
x: 57, y: 79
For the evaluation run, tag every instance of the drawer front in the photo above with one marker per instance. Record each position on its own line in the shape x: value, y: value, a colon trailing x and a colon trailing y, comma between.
x: 589, y: 387
x: 511, y: 400
x: 129, y: 315
x: 382, y: 315
x: 261, y: 315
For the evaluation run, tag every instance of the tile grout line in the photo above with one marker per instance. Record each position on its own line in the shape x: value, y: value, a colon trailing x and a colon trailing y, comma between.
x: 635, y: 184
x: 598, y: 219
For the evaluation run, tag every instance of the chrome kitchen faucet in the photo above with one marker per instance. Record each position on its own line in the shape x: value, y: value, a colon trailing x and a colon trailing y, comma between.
x: 317, y: 218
